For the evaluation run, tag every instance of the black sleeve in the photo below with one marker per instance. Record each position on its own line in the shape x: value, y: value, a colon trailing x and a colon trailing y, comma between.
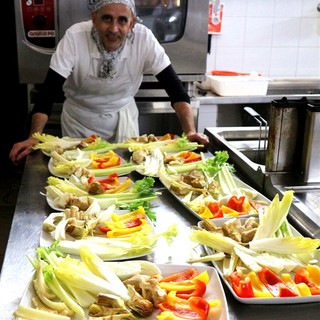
x: 173, y: 85
x: 50, y: 92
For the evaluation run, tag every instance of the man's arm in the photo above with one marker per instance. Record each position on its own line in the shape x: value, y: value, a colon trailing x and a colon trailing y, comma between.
x: 49, y: 93
x: 180, y: 102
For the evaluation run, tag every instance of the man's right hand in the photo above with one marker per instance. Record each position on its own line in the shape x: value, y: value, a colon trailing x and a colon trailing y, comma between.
x: 21, y: 149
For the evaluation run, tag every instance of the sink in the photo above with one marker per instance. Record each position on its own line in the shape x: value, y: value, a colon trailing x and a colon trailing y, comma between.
x: 294, y: 87
x: 246, y: 147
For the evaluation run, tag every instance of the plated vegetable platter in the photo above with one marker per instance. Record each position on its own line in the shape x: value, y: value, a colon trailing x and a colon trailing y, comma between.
x: 263, y: 260
x: 214, y: 291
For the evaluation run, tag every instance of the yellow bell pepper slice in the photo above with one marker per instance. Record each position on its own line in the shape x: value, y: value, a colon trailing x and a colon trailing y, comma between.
x: 206, y: 214
x: 203, y: 276
x: 259, y: 289
x: 314, y: 274
x: 122, y: 187
x: 138, y: 213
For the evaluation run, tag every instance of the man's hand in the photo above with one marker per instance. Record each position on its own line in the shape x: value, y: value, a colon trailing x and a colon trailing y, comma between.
x: 21, y: 149
x: 201, y: 138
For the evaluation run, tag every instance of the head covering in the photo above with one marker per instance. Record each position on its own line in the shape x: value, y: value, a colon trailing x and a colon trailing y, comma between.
x: 100, y: 3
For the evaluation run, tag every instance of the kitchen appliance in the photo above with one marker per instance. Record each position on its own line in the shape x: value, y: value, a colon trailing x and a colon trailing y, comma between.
x: 285, y: 139
x: 180, y: 25
x: 310, y: 153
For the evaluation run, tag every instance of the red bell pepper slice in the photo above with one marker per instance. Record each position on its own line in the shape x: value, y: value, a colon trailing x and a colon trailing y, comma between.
x: 104, y: 229
x: 215, y: 210
x: 90, y: 139
x: 195, y: 308
x: 242, y: 287
x: 236, y: 203
x: 181, y: 276
x: 198, y: 291
x: 275, y: 284
x: 133, y: 223
x: 110, y: 182
x: 302, y: 276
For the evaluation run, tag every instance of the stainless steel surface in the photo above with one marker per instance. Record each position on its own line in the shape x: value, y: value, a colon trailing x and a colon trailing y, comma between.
x: 293, y: 89
x: 286, y: 129
x: 32, y: 208
x: 311, y: 157
x: 241, y: 144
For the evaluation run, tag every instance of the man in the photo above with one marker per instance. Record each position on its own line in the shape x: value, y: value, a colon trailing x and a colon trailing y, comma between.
x: 100, y: 65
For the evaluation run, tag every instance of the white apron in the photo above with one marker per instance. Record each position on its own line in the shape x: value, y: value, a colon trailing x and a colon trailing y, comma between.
x: 101, y: 106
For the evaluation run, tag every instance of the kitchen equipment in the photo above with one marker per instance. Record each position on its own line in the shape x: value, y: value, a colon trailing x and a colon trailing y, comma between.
x: 286, y: 129
x: 263, y: 125
x: 40, y: 24
x: 238, y: 85
x: 310, y: 154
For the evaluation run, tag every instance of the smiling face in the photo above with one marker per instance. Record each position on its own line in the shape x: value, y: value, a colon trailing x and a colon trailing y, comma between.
x: 113, y: 23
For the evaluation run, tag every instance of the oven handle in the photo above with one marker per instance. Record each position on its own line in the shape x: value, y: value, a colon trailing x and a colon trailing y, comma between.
x: 38, y: 49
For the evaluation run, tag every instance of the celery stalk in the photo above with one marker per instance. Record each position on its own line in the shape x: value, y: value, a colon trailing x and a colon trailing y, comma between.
x: 25, y: 312
x: 275, y: 215
x: 53, y: 283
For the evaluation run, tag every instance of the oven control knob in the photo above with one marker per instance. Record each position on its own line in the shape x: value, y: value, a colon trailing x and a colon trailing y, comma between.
x: 39, y: 20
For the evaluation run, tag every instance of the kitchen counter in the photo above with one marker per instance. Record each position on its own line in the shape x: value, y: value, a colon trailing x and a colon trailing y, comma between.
x: 292, y: 89
x: 32, y: 208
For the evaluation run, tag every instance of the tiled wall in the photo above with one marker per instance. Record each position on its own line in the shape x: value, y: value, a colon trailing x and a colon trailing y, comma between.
x: 278, y: 38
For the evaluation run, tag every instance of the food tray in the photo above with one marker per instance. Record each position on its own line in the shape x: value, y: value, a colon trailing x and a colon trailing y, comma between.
x: 214, y: 289
x: 239, y: 85
x: 275, y: 300
x: 240, y: 184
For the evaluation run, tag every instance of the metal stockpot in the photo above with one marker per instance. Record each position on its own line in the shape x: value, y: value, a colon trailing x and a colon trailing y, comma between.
x: 285, y: 138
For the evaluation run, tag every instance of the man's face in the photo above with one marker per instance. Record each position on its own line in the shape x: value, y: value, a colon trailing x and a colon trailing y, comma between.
x: 113, y: 22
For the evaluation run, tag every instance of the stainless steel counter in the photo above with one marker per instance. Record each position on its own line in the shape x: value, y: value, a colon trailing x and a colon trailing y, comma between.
x: 25, y: 232
x: 293, y: 89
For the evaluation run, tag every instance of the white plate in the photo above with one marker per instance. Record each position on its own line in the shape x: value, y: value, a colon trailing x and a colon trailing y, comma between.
x: 240, y: 184
x: 46, y: 239
x: 54, y: 172
x: 53, y: 206
x: 214, y: 289
x: 291, y: 300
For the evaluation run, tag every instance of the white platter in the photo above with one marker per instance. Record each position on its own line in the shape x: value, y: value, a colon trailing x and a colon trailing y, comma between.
x: 240, y: 184
x: 284, y: 300
x: 54, y: 172
x: 214, y: 289
x: 47, y: 239
x: 53, y: 206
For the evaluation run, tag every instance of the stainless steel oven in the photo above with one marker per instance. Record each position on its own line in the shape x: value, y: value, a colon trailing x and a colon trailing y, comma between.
x: 180, y: 25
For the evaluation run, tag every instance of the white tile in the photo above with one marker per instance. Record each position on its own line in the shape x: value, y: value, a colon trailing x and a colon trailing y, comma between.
x: 232, y: 32
x: 258, y: 32
x: 310, y: 32
x: 288, y: 8
x: 309, y: 9
x: 261, y: 8
x: 308, y: 62
x: 229, y: 58
x: 286, y: 32
x: 283, y: 61
x: 257, y: 59
x: 235, y: 8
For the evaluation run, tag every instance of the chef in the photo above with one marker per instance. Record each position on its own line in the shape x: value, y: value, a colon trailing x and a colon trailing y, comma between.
x: 99, y: 64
